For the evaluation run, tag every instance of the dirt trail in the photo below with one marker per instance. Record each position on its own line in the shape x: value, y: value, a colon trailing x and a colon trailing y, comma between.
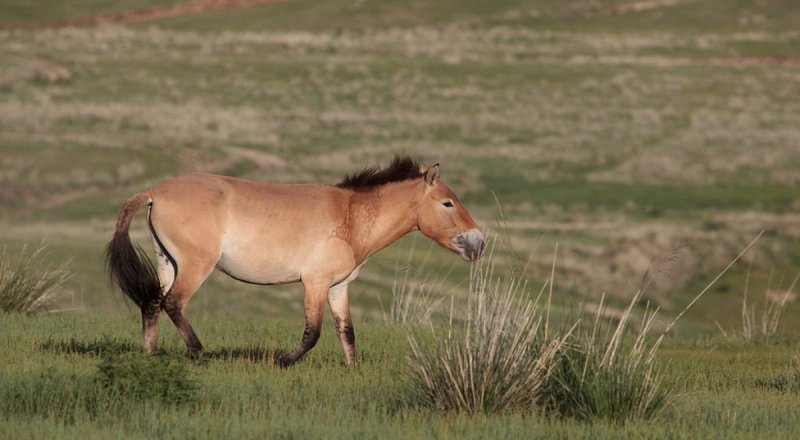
x: 153, y: 13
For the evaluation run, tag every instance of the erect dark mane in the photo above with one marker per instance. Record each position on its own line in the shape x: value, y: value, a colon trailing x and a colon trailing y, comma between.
x: 401, y: 168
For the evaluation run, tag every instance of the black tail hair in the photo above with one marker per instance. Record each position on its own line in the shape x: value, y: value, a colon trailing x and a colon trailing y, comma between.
x: 128, y: 266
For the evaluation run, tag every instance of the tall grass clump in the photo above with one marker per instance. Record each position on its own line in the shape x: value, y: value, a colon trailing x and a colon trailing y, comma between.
x: 608, y: 372
x: 760, y: 326
x: 30, y: 285
x: 494, y: 358
x: 503, y: 356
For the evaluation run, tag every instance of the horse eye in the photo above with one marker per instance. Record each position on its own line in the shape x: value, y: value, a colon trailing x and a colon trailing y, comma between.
x: 448, y: 204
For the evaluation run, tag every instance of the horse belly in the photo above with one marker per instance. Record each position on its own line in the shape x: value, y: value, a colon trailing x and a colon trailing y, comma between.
x: 258, y: 269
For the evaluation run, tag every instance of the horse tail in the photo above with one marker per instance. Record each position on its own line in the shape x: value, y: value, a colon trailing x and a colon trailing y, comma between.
x: 128, y: 266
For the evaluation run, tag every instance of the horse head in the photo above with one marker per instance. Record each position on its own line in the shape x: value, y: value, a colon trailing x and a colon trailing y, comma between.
x: 443, y: 219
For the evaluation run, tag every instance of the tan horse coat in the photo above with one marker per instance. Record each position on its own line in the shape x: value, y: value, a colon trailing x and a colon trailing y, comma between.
x: 267, y: 233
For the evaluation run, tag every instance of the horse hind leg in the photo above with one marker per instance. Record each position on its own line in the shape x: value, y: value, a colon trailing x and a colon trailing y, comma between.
x: 188, y: 279
x: 151, y: 311
x: 180, y: 276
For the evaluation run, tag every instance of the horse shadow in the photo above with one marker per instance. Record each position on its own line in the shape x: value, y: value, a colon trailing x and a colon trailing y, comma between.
x: 247, y: 354
x: 253, y: 354
x: 91, y: 348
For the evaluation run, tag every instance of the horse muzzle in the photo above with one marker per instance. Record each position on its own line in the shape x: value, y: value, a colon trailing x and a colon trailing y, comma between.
x: 470, y: 244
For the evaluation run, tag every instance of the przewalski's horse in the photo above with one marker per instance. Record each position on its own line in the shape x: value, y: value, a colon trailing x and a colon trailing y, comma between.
x: 268, y: 233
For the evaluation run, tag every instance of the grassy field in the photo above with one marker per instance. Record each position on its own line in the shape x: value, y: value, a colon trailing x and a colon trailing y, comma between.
x: 51, y: 365
x: 648, y: 141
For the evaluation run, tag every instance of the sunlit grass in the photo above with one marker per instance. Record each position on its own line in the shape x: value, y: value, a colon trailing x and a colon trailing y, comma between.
x: 48, y: 366
x: 29, y: 283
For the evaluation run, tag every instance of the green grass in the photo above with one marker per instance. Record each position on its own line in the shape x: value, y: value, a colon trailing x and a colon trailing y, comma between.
x: 336, y: 15
x: 22, y: 11
x: 51, y: 365
x: 648, y: 200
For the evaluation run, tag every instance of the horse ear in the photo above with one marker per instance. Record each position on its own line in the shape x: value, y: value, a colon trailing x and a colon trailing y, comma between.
x: 432, y: 175
x: 423, y: 169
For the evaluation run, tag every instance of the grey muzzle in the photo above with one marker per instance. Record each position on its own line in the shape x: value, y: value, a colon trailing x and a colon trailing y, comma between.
x: 471, y: 244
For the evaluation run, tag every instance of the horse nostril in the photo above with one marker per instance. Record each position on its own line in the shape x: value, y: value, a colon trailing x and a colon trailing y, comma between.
x: 477, y: 250
x: 472, y: 244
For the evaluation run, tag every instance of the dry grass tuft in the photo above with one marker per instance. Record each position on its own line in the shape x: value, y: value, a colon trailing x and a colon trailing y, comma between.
x: 492, y: 360
x: 764, y: 326
x: 503, y: 356
x: 30, y: 285
x: 608, y: 372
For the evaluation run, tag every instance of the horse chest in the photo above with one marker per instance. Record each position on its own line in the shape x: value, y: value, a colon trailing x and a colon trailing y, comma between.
x: 351, y: 276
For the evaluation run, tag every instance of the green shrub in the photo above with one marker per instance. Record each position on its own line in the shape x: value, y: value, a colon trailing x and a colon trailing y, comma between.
x: 136, y: 376
x: 29, y: 285
x: 608, y: 373
x: 121, y: 383
x: 788, y: 381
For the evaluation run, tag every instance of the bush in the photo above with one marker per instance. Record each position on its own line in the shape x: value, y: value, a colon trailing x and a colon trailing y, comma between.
x: 137, y: 376
x: 502, y: 356
x: 788, y: 381
x: 30, y: 286
x: 123, y: 382
x: 493, y: 359
x: 605, y: 374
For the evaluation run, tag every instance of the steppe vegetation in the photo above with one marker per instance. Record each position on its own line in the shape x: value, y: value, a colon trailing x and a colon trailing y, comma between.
x: 28, y: 285
x: 647, y: 141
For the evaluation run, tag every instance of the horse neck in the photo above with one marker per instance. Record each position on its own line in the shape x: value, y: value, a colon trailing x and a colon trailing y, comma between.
x: 381, y: 216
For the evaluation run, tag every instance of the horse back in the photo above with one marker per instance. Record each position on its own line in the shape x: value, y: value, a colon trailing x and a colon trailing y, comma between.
x: 255, y: 231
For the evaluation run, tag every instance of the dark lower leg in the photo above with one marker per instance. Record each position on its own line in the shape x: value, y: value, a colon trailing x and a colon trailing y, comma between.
x: 347, y: 336
x: 314, y: 301
x: 176, y: 314
x: 310, y: 337
x: 340, y: 309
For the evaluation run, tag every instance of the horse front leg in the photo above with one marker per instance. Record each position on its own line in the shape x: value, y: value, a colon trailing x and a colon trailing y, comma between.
x: 316, y: 292
x: 340, y: 309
